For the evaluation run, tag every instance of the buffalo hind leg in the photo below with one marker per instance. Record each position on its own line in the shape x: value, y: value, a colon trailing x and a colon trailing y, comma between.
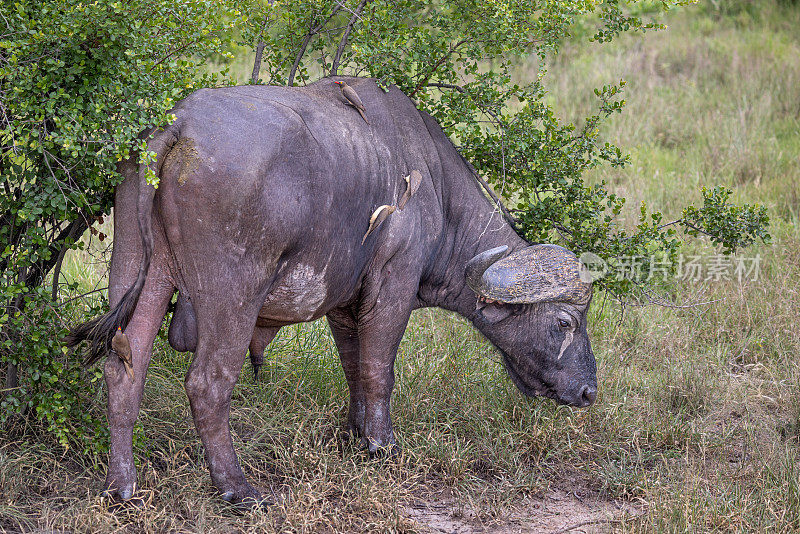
x: 124, y: 394
x: 345, y: 334
x: 223, y: 338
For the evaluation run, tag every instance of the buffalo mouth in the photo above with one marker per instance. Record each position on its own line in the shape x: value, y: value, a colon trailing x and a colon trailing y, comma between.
x: 525, y: 382
x: 534, y: 387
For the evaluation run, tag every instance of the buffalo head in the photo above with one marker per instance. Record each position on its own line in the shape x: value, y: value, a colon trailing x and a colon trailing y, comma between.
x: 532, y: 305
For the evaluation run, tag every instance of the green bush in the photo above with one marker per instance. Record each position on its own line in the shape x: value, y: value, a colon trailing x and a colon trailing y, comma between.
x: 79, y: 82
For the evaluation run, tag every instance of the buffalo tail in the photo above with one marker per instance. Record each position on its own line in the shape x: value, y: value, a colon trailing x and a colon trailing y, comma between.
x: 100, y: 330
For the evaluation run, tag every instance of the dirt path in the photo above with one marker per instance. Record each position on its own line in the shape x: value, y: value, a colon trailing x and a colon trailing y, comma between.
x: 556, y: 512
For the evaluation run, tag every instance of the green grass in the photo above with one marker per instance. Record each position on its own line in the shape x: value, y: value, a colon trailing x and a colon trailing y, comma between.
x: 697, y: 423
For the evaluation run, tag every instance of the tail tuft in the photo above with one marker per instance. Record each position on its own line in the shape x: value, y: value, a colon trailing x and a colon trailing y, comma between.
x: 99, y: 331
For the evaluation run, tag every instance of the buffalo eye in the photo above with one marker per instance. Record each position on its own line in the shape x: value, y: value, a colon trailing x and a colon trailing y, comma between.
x: 563, y: 323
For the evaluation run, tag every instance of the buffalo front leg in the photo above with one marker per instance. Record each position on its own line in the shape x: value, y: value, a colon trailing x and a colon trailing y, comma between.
x: 222, y: 345
x: 379, y: 337
x: 345, y: 334
x: 124, y: 394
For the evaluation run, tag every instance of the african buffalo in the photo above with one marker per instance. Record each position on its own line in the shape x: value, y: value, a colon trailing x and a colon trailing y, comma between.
x: 265, y: 196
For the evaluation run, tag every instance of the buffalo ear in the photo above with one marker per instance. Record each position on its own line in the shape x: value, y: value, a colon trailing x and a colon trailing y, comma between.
x: 495, y: 312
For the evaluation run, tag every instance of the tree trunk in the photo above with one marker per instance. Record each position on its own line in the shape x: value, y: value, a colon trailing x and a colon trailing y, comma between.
x: 257, y: 64
x: 12, y: 376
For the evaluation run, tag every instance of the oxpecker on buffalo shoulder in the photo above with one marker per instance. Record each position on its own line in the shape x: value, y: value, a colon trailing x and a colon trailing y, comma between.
x: 378, y: 216
x: 413, y: 182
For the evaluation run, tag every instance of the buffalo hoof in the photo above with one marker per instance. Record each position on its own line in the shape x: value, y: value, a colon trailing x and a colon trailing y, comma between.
x: 248, y: 500
x: 252, y: 504
x: 354, y: 431
x: 355, y: 420
x: 377, y: 450
x: 121, y: 501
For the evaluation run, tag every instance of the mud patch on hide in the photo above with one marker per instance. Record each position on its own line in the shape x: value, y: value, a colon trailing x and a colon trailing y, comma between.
x: 298, y: 295
x: 183, y: 154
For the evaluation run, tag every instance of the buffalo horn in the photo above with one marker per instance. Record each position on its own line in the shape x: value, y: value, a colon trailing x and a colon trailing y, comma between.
x: 478, y: 265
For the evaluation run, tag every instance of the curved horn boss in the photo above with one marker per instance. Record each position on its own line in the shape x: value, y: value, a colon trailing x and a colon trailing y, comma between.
x: 538, y: 273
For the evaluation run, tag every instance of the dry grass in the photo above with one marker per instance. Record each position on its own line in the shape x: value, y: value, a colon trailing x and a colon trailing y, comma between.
x: 698, y: 420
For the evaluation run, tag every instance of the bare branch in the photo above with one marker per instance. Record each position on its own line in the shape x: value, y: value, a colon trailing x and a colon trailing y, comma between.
x: 307, y: 39
x: 259, y: 51
x: 507, y: 214
x: 510, y: 218
x: 461, y: 90
x: 687, y: 224
x: 345, y: 36
x: 173, y: 52
x: 583, y: 524
x: 452, y: 49
x: 598, y: 521
x: 82, y: 295
x: 73, y: 229
x: 40, y: 269
x: 257, y: 62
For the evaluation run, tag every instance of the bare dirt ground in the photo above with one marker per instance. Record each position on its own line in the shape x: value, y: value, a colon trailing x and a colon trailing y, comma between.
x: 555, y: 513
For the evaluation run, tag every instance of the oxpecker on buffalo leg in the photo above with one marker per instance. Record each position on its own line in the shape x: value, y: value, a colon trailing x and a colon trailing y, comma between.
x: 122, y: 347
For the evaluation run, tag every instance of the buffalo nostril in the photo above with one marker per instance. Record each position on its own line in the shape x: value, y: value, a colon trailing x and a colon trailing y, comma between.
x: 588, y: 394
